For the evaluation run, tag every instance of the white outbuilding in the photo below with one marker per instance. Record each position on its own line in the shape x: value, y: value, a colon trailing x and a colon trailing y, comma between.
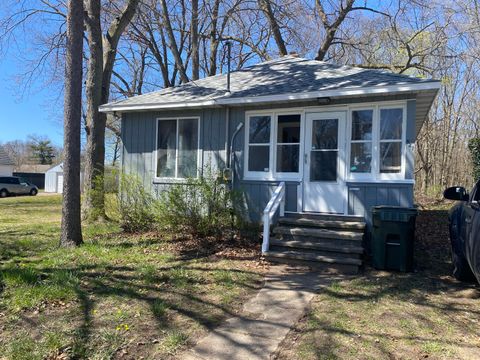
x: 54, y: 179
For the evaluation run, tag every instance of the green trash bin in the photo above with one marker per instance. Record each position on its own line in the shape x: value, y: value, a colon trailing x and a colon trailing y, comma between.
x: 393, y: 234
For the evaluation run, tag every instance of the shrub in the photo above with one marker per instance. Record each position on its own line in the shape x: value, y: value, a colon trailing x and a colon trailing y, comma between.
x: 135, y: 205
x: 111, y: 180
x: 203, y: 206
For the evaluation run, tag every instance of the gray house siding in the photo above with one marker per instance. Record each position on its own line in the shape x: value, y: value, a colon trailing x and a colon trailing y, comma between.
x: 139, y: 141
x: 362, y: 196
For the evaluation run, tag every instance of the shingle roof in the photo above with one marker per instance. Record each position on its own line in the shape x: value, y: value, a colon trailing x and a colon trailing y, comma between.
x: 32, y: 168
x: 4, y: 158
x: 286, y: 75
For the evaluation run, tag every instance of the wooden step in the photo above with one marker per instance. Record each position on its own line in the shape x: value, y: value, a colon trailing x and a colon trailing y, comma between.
x: 318, y: 233
x: 314, y: 245
x: 312, y: 257
x: 320, y: 267
x: 333, y: 217
x: 324, y: 224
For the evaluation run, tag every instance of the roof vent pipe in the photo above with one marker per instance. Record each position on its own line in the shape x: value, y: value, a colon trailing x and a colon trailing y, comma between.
x: 228, y: 44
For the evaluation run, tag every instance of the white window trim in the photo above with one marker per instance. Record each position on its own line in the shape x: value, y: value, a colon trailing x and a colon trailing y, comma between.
x: 272, y: 174
x: 375, y: 174
x: 157, y: 179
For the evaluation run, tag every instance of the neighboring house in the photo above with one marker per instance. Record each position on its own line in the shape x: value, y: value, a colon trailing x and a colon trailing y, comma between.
x: 341, y: 138
x: 54, y: 179
x: 34, y: 173
x: 6, y: 164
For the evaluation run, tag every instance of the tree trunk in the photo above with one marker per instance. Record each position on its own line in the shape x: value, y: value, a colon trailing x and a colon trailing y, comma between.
x: 194, y: 42
x: 103, y: 50
x: 71, y: 222
x: 94, y: 207
x: 330, y: 28
x: 172, y: 43
x: 266, y: 7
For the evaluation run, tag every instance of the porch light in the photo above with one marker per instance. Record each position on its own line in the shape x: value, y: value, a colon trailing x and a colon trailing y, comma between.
x: 323, y: 100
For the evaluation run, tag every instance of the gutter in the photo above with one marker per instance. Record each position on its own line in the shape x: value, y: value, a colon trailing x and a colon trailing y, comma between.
x: 228, y: 100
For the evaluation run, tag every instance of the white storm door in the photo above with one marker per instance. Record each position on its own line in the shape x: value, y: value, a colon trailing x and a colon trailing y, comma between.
x: 324, y: 187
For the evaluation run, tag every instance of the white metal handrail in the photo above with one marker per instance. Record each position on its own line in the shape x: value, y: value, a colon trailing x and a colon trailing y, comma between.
x: 277, y: 200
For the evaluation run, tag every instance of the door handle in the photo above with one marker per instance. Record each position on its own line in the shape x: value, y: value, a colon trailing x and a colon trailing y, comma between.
x: 305, y: 156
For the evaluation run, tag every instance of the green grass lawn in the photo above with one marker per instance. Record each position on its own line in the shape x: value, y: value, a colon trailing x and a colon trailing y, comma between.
x: 388, y: 315
x: 116, y: 296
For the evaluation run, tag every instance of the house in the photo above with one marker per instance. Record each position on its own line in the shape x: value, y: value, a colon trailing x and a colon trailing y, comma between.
x: 6, y: 164
x: 310, y: 137
x: 54, y: 179
x: 33, y: 173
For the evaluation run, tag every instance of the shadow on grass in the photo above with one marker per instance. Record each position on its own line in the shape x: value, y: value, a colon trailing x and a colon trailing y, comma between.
x: 175, y: 286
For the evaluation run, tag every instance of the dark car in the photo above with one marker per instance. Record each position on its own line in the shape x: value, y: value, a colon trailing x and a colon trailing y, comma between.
x: 13, y: 185
x: 464, y: 225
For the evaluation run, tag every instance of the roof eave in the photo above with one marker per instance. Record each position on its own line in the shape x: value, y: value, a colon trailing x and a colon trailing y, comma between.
x: 349, y: 92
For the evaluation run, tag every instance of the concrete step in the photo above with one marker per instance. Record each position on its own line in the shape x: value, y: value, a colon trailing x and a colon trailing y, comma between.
x: 357, y: 226
x: 333, y: 217
x: 331, y: 247
x: 311, y: 233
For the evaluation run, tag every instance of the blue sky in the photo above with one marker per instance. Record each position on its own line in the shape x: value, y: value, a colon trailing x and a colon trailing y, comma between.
x: 26, y: 112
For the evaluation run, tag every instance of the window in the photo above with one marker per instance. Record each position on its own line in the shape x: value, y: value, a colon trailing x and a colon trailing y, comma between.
x: 391, y: 140
x: 288, y: 143
x: 361, y: 141
x: 377, y: 142
x: 259, y: 143
x: 273, y: 146
x: 177, y: 148
x: 324, y: 153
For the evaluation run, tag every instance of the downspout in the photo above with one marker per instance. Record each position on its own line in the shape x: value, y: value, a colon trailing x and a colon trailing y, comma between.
x: 227, y: 137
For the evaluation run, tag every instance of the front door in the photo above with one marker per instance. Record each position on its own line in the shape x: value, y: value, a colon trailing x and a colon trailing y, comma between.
x: 324, y: 171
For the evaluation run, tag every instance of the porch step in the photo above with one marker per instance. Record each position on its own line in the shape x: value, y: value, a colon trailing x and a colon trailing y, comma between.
x: 323, y: 223
x: 313, y: 257
x: 318, y: 241
x: 318, y: 233
x: 310, y: 256
x: 331, y: 247
x: 334, y: 217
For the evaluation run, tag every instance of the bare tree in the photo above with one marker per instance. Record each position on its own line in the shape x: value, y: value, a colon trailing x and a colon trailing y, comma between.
x: 71, y: 223
x: 331, y: 24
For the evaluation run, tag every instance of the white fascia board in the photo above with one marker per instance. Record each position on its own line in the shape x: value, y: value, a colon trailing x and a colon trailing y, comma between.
x: 108, y: 108
x: 359, y: 91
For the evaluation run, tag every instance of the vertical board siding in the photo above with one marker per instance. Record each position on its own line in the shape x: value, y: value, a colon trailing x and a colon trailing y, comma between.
x: 212, y: 139
x: 257, y: 194
x: 363, y: 196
